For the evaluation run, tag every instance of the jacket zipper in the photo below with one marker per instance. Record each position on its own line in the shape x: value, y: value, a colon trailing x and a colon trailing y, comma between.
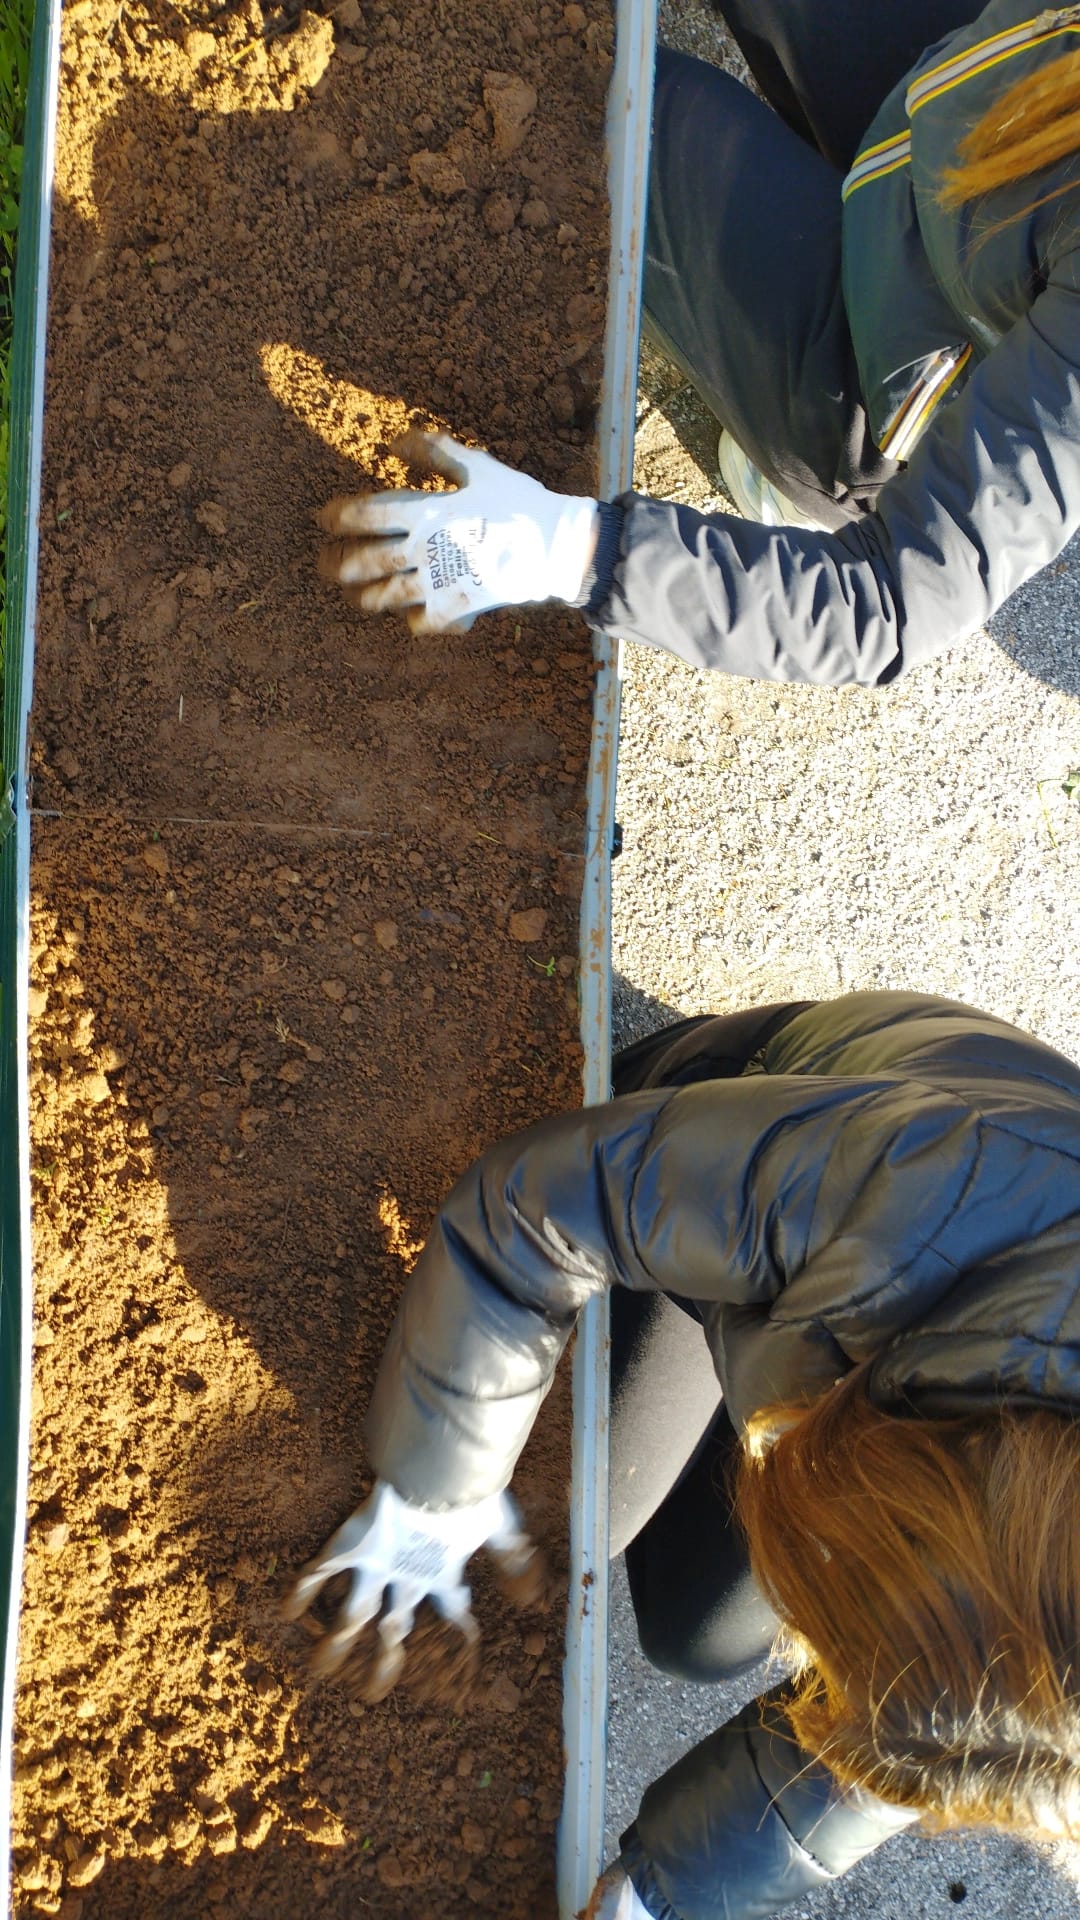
x: 1055, y: 17
x: 907, y: 423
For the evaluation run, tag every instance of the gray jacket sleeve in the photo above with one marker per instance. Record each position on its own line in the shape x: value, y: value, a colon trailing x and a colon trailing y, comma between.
x: 991, y: 495
x: 746, y: 1822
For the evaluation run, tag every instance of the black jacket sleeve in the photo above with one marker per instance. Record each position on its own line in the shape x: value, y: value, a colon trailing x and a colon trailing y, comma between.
x: 991, y: 495
x: 746, y: 1822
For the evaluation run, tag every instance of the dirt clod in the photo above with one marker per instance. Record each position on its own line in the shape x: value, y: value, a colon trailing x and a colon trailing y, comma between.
x: 511, y: 102
x: 528, y: 925
x: 438, y: 173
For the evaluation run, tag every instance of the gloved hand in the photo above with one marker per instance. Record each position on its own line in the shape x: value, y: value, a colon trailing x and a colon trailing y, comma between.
x: 615, y: 1897
x: 442, y: 558
x: 405, y: 1554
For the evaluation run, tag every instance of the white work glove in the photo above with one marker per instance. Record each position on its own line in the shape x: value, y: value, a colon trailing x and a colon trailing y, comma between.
x: 441, y: 558
x: 615, y: 1897
x: 403, y: 1554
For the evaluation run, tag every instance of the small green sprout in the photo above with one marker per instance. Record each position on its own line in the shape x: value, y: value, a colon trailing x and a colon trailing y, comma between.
x: 1070, y: 787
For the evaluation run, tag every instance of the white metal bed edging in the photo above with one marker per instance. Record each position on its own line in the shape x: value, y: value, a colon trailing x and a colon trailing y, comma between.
x: 32, y: 262
x: 581, y: 1826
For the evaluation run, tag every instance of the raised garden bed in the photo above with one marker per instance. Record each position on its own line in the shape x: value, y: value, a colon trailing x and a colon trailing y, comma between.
x: 305, y: 904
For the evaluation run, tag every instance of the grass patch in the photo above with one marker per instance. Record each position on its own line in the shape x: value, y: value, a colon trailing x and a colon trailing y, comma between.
x: 16, y: 17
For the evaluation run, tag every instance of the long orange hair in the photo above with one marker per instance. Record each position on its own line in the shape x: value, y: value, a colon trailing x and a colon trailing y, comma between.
x: 928, y: 1574
x: 1034, y: 124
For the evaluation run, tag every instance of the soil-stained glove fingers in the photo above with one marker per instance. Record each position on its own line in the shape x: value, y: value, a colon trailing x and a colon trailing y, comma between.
x: 510, y: 1543
x: 396, y: 1556
x: 387, y: 596
x: 438, y: 453
x: 361, y: 1605
x: 508, y: 1535
x: 339, y: 1555
x: 523, y: 1578
x: 455, y: 1605
x: 346, y: 1543
x: 371, y: 513
x: 356, y: 597
x: 387, y: 1667
x: 422, y: 624
x: 520, y: 1565
x: 306, y: 1587
x: 501, y: 540
x: 358, y: 562
x: 395, y: 1626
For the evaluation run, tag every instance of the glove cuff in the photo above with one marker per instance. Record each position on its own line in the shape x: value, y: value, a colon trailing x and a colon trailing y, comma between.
x: 571, y: 548
x: 600, y: 572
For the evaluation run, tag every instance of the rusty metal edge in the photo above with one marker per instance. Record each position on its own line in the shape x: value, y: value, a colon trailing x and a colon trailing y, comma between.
x: 581, y: 1826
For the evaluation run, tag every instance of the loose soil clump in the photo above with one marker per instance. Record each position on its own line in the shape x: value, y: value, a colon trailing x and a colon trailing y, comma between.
x: 305, y: 897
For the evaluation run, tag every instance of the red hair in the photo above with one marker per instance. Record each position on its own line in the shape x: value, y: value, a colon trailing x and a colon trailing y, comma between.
x: 1034, y: 124
x: 928, y: 1573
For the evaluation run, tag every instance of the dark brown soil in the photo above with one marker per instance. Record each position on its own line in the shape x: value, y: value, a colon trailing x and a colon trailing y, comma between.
x: 305, y: 919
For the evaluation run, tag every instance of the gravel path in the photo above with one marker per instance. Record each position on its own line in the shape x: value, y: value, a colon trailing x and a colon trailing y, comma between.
x: 788, y: 842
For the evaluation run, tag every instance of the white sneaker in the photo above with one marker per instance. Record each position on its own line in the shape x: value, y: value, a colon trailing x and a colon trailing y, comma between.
x: 755, y: 497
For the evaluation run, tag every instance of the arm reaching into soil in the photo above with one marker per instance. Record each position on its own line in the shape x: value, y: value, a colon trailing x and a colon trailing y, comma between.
x: 991, y: 495
x: 499, y: 540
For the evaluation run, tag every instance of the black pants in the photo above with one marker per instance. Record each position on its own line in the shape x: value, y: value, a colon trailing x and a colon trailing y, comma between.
x: 742, y: 269
x: 699, y: 1612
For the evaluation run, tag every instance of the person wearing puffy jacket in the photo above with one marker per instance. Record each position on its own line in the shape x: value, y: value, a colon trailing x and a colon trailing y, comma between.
x: 842, y: 1240
x: 874, y: 284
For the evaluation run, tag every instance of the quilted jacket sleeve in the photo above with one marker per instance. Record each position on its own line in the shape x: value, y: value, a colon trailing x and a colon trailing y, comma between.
x: 991, y: 495
x: 709, y: 1191
x: 745, y: 1823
